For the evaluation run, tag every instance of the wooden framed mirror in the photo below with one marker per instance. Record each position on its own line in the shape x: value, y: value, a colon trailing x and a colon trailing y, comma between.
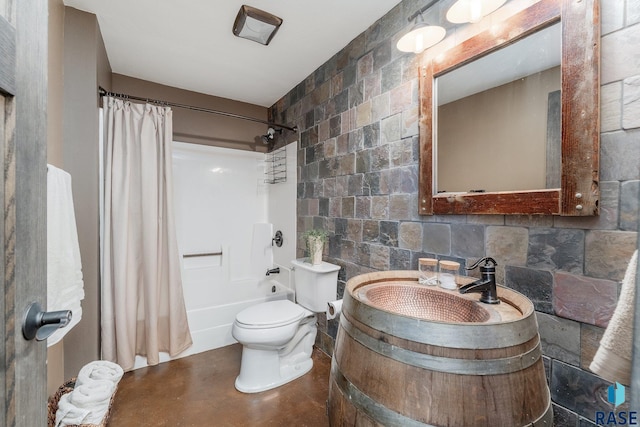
x: 579, y: 127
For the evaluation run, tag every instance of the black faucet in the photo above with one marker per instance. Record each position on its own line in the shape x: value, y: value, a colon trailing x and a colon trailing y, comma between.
x: 273, y: 271
x: 487, y: 284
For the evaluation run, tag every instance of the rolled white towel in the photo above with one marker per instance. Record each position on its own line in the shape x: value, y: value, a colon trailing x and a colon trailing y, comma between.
x: 92, y: 393
x: 68, y: 413
x: 100, y: 370
x: 93, y: 396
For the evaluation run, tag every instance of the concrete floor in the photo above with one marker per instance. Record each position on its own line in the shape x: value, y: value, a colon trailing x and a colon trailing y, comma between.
x: 198, y: 391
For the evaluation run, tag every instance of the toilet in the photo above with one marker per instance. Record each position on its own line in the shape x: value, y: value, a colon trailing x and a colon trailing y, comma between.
x: 277, y: 337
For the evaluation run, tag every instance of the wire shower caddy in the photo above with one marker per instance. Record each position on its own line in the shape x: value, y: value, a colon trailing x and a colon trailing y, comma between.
x: 276, y: 166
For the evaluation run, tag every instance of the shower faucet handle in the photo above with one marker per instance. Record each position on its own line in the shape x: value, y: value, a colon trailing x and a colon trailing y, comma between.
x: 278, y: 239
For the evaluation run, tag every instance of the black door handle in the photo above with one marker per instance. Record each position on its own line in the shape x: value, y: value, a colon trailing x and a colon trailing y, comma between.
x: 40, y: 324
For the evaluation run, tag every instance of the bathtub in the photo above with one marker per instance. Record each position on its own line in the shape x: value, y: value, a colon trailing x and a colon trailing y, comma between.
x: 210, y: 326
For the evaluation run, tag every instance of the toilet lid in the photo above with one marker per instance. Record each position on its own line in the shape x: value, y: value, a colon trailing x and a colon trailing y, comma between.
x: 271, y: 314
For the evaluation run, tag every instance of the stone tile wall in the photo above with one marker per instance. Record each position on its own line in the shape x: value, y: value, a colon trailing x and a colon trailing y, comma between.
x: 358, y: 178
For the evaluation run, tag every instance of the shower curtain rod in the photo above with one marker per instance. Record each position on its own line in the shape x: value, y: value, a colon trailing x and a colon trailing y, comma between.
x: 103, y: 92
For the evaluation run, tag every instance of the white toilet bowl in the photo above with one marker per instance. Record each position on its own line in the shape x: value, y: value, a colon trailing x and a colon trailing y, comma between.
x: 277, y: 339
x: 278, y: 336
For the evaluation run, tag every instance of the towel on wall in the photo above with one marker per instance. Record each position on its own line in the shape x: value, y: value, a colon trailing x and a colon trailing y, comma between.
x: 65, y: 287
x: 612, y: 361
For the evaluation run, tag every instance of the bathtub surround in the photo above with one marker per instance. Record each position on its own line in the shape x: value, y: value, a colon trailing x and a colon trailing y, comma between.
x: 261, y: 258
x: 358, y: 169
x: 281, y: 212
x: 143, y: 311
x: 226, y: 246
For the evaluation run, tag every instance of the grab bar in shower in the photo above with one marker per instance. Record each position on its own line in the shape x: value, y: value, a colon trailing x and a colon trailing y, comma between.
x: 202, y: 254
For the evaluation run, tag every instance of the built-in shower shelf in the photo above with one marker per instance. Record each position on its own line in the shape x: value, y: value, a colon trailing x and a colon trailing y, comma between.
x: 276, y: 166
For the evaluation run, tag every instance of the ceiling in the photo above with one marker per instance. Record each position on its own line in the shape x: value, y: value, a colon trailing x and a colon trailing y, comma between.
x: 189, y: 44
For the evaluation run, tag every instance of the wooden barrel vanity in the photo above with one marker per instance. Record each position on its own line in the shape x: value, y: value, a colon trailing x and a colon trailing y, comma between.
x: 413, y: 355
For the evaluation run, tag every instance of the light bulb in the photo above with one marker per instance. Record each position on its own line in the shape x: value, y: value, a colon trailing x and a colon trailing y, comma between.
x: 472, y: 10
x: 421, y: 37
x: 419, y: 43
x: 475, y: 10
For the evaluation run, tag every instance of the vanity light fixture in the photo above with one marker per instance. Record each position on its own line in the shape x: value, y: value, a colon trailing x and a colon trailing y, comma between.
x: 421, y: 36
x: 472, y: 10
x: 255, y: 24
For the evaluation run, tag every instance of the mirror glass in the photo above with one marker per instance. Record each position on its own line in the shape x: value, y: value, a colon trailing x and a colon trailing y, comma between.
x: 497, y: 119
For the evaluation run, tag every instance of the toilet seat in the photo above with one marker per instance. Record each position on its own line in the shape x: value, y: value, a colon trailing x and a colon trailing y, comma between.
x: 271, y: 314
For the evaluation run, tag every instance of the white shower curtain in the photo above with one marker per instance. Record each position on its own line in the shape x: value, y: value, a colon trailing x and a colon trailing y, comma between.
x: 143, y: 310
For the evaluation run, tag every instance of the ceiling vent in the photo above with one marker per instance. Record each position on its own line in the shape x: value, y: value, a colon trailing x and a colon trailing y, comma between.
x: 255, y: 24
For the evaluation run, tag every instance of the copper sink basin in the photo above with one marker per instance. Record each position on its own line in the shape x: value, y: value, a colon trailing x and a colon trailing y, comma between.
x: 428, y: 303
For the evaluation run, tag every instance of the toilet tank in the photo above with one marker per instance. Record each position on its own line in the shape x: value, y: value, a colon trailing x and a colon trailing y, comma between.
x: 316, y: 285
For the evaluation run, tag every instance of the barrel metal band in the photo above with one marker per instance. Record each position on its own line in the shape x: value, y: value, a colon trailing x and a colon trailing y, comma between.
x: 444, y: 364
x: 391, y: 418
x: 456, y: 335
x: 546, y: 419
x: 370, y: 407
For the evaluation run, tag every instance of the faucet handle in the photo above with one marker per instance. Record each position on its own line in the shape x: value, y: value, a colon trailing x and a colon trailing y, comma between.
x: 487, y: 285
x: 486, y: 266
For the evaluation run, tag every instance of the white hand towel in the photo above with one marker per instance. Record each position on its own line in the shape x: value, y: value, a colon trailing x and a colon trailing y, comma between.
x: 65, y: 287
x: 612, y: 361
x: 68, y: 413
x: 100, y: 370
